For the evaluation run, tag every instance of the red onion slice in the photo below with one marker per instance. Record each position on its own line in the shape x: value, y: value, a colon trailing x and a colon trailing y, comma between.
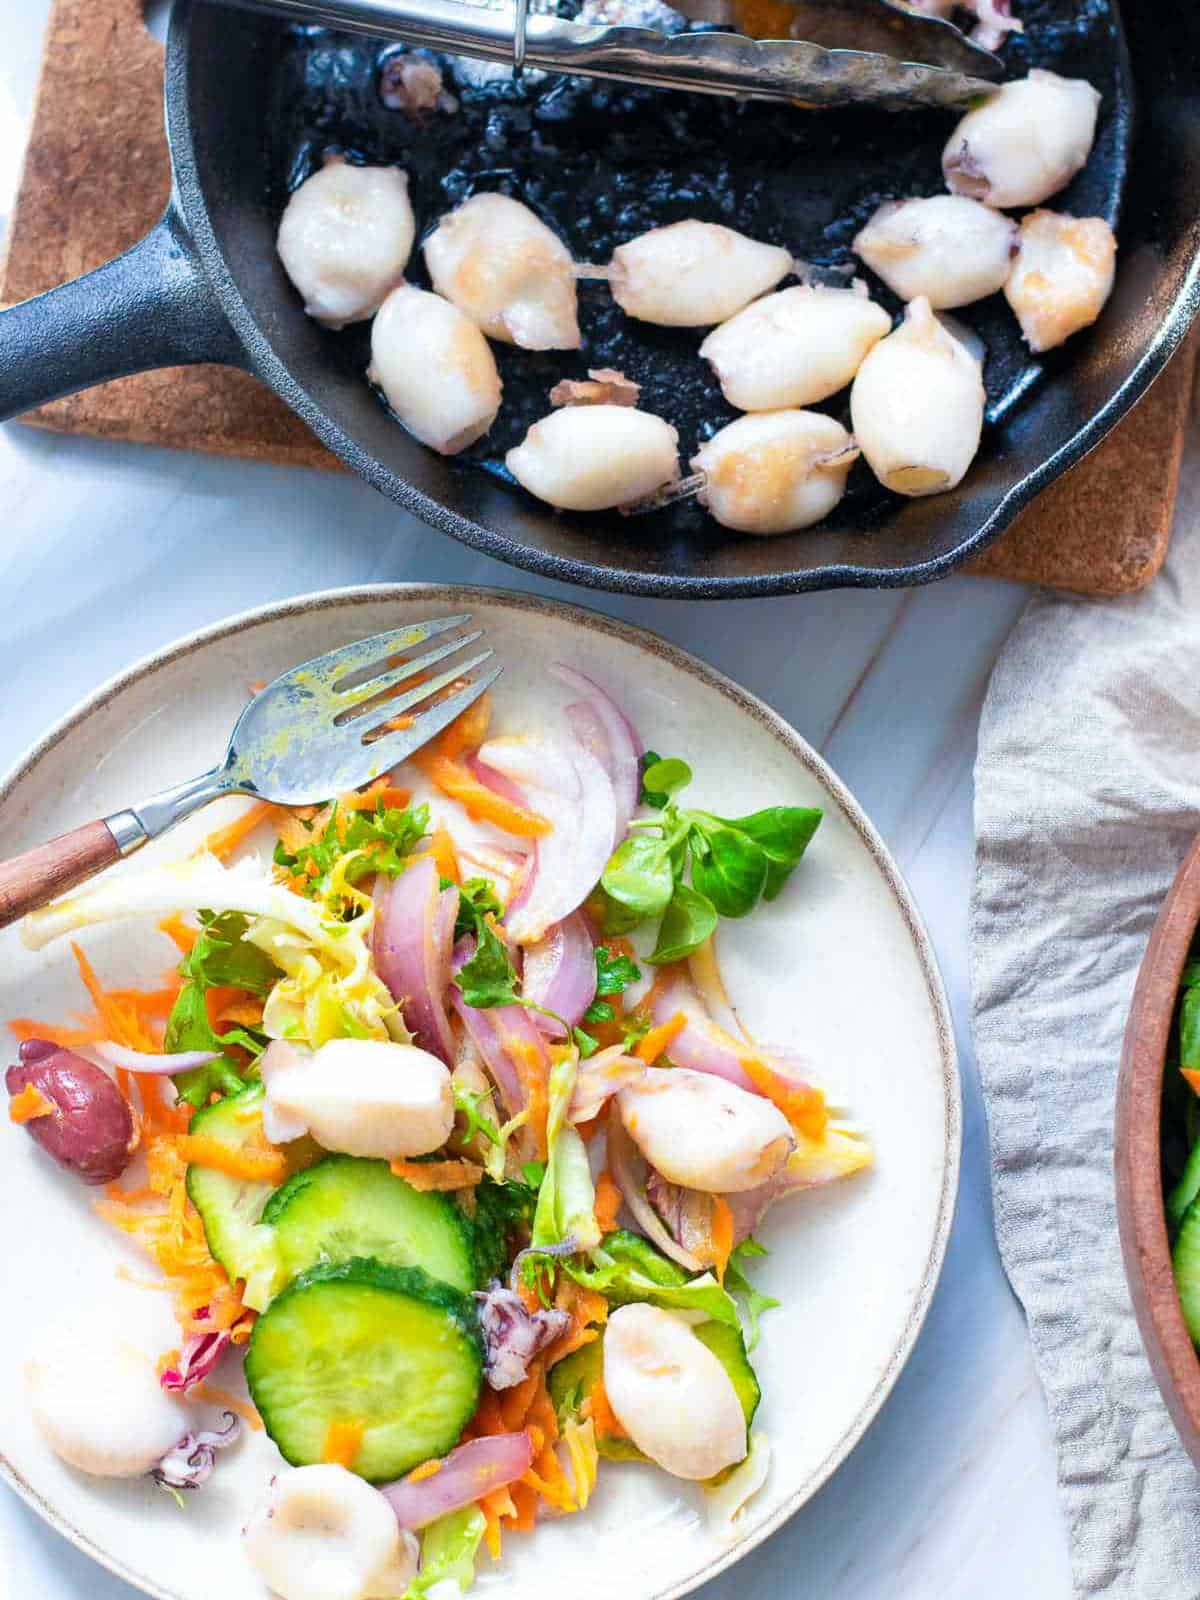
x: 560, y: 974
x: 468, y: 1472
x: 119, y: 1055
x: 197, y: 1359
x: 412, y: 955
x: 624, y: 746
x: 628, y: 1168
x: 500, y: 1034
x: 570, y: 788
x: 701, y: 1045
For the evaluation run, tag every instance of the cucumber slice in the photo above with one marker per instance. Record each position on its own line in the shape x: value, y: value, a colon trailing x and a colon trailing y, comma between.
x: 363, y: 1342
x: 346, y: 1206
x: 570, y: 1381
x: 231, y: 1208
x: 729, y: 1347
x: 1185, y: 1258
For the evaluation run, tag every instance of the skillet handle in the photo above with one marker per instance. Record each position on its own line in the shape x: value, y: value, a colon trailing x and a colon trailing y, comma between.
x: 151, y: 307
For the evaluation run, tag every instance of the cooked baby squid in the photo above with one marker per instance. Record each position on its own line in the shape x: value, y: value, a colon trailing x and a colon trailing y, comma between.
x: 693, y: 274
x: 1062, y: 276
x: 917, y: 406
x: 504, y: 268
x: 948, y: 248
x: 1026, y: 141
x: 435, y: 368
x: 361, y: 1097
x: 591, y: 458
x: 324, y: 1534
x: 100, y: 1406
x: 671, y: 1394
x: 775, y: 471
x: 795, y: 347
x: 345, y: 240
x: 703, y: 1132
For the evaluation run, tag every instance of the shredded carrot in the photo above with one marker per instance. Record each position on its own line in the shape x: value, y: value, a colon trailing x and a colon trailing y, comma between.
x: 515, y: 1402
x: 1191, y: 1077
x: 438, y: 1175
x: 223, y: 842
x: 722, y: 1234
x: 343, y: 1440
x: 476, y: 799
x: 119, y: 1013
x: 588, y: 1312
x: 180, y: 932
x: 801, y: 1104
x: 441, y: 848
x: 659, y: 1039
x: 487, y: 1420
x: 427, y: 1469
x: 221, y: 1397
x: 608, y: 1202
x: 256, y: 1166
x: 29, y: 1104
x: 248, y: 1012
x: 468, y: 730
x: 497, y: 1504
x: 382, y: 790
x: 534, y: 1073
x: 524, y: 1499
x: 602, y: 1414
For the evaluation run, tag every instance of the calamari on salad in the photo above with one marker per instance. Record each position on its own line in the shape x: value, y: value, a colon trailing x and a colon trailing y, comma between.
x: 444, y: 1137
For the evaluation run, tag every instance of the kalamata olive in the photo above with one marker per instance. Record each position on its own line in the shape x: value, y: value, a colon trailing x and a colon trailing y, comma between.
x: 91, y: 1130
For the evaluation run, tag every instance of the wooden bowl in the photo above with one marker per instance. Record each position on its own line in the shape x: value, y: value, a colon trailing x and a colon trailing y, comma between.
x: 1140, y: 1212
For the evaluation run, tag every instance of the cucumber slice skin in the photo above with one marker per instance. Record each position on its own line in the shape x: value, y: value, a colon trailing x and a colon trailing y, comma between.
x: 1185, y: 1260
x: 363, y: 1341
x: 231, y: 1208
x: 346, y: 1207
x: 729, y: 1347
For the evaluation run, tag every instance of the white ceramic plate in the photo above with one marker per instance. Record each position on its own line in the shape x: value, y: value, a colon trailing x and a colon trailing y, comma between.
x: 839, y: 969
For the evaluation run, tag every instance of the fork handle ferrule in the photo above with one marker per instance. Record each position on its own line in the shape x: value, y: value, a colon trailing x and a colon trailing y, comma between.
x: 127, y: 831
x: 163, y: 811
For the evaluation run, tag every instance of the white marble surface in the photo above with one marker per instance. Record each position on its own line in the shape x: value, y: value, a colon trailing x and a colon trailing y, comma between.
x: 110, y: 551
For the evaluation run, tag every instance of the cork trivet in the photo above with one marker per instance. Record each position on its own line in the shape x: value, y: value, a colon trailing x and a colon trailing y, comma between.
x: 96, y: 178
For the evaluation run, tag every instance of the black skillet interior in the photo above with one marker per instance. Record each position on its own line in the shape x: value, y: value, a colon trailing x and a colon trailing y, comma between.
x: 601, y: 162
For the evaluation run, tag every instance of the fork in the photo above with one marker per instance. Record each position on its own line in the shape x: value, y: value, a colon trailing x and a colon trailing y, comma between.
x: 325, y: 726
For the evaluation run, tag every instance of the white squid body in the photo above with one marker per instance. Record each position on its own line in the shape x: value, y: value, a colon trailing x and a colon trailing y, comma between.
x: 704, y: 1132
x: 504, y: 268
x: 345, y: 239
x: 775, y: 471
x: 436, y: 369
x: 950, y: 249
x: 917, y: 406
x: 795, y: 347
x: 1062, y: 276
x: 360, y: 1097
x: 100, y: 1406
x: 1027, y: 141
x: 693, y: 274
x: 590, y: 458
x: 670, y: 1393
x: 324, y: 1534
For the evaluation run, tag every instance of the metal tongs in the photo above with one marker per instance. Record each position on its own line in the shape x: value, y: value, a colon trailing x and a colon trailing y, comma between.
x: 840, y: 52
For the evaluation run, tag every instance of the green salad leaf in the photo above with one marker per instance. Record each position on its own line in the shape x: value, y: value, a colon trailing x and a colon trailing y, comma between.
x: 382, y: 839
x: 738, y: 1283
x: 503, y: 1216
x: 567, y: 1196
x: 220, y: 958
x: 625, y: 1268
x: 448, y: 1550
x: 690, y: 867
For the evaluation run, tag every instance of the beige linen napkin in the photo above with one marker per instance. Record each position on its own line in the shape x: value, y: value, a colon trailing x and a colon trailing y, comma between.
x: 1087, y: 797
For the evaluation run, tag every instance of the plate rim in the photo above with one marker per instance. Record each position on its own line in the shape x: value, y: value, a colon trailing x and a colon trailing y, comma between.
x: 777, y: 726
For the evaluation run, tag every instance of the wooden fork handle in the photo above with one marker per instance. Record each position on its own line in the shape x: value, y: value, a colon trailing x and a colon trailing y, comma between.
x: 30, y: 880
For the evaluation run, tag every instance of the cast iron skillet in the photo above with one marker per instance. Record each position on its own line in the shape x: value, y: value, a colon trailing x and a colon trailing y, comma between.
x: 250, y: 105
